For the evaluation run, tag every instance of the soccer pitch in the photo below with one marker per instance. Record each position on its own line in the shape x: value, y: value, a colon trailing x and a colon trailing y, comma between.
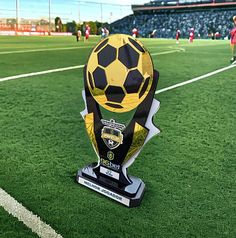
x: 189, y: 169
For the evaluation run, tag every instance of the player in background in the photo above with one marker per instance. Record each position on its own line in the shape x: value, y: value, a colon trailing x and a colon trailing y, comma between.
x: 177, y: 36
x: 152, y: 34
x: 103, y: 34
x: 106, y: 32
x: 87, y: 33
x: 78, y: 35
x: 135, y: 32
x: 233, y: 42
x: 191, y: 35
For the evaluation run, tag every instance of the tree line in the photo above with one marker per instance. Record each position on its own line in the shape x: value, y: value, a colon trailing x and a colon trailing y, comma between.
x: 95, y: 26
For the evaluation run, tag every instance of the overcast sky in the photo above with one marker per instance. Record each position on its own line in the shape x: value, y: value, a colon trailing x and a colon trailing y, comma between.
x: 105, y: 10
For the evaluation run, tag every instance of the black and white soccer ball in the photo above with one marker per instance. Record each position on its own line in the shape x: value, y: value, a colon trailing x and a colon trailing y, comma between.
x: 119, y: 73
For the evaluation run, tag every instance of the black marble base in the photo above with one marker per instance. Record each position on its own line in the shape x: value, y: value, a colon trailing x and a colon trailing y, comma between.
x: 129, y: 195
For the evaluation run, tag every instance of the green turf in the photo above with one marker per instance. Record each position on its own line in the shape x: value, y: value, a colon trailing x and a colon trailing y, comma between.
x: 11, y: 227
x: 189, y: 170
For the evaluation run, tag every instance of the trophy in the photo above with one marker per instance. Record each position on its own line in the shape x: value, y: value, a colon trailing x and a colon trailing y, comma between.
x: 119, y: 79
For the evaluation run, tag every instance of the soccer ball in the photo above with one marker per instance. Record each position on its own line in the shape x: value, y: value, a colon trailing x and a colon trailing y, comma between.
x: 119, y: 73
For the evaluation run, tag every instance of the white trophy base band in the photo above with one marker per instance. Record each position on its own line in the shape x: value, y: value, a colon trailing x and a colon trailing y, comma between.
x: 98, y: 188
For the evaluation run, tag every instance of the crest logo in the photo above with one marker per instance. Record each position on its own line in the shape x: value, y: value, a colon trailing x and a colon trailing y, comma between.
x: 110, y: 155
x: 112, y: 133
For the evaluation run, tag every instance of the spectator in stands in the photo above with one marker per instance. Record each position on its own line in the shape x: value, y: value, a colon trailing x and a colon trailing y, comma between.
x: 204, y: 22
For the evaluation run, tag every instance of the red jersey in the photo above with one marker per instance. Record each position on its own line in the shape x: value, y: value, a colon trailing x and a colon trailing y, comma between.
x: 177, y: 35
x: 87, y: 32
x: 135, y: 32
x: 233, y: 36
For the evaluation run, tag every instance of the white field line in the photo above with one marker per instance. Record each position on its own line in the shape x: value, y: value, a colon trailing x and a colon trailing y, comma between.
x: 157, y: 92
x: 185, y: 43
x: 62, y: 69
x: 200, y: 45
x: 78, y: 47
x: 65, y: 48
x: 27, y: 217
x: 177, y: 48
x: 195, y: 79
x: 174, y: 50
x: 165, y: 52
x: 41, y: 50
x: 40, y: 73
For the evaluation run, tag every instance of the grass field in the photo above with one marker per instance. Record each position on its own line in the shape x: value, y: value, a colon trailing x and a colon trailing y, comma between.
x: 189, y: 169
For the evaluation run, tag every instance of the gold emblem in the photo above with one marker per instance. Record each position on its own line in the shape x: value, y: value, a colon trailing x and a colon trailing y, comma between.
x: 110, y: 155
x: 112, y: 133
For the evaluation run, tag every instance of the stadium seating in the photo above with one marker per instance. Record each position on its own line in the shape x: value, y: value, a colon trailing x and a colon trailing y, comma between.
x: 204, y: 23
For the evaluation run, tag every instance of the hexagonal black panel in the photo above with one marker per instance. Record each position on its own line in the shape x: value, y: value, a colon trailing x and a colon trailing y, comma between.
x: 99, y: 77
x: 101, y: 45
x: 114, y: 94
x: 128, y: 56
x: 106, y: 56
x: 133, y: 81
x: 136, y: 44
x: 144, y: 88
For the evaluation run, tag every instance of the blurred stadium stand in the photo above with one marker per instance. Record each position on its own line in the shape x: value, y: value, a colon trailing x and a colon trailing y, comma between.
x: 166, y: 16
